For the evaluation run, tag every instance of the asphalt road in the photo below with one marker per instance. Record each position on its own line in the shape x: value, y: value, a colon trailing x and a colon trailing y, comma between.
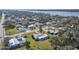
x: 1, y: 29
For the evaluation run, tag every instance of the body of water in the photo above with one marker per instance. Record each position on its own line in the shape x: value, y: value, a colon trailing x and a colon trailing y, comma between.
x: 62, y: 13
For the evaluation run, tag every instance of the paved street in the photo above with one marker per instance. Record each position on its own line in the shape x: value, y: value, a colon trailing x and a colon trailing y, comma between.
x: 1, y: 29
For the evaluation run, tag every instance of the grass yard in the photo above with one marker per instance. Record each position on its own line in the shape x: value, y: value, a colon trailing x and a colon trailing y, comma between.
x: 38, y: 45
x: 11, y: 31
x: 21, y: 48
x: 33, y: 43
x: 44, y: 45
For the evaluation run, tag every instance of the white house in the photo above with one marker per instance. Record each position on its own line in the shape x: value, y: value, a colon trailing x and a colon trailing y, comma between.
x: 31, y: 26
x: 53, y: 32
x: 40, y: 36
x: 20, y: 28
x: 14, y: 42
x: 61, y: 28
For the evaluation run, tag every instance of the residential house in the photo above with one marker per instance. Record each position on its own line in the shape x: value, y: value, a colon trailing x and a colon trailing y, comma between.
x: 53, y: 32
x: 31, y: 27
x: 40, y: 37
x: 20, y: 27
x: 16, y: 42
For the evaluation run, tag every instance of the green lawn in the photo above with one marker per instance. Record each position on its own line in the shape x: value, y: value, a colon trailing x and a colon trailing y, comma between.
x: 44, y: 45
x: 33, y: 43
x: 21, y: 48
x: 11, y: 31
x: 38, y: 45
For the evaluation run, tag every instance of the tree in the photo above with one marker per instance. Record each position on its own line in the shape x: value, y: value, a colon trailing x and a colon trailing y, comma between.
x: 28, y: 45
x: 71, y: 40
x: 9, y: 24
x: 68, y: 38
x: 56, y: 42
x: 40, y: 29
x: 5, y: 43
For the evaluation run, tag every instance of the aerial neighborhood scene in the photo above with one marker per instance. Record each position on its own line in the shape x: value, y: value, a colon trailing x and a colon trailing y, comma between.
x: 39, y: 29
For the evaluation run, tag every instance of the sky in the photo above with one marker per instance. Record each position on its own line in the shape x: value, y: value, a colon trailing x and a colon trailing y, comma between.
x: 39, y: 4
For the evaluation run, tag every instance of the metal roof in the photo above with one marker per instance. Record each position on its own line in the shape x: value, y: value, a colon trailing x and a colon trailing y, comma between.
x: 40, y: 36
x: 15, y: 41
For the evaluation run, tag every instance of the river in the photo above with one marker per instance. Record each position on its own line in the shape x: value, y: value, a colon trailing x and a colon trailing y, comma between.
x: 61, y: 13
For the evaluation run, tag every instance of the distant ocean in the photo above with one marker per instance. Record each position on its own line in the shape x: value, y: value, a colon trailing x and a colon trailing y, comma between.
x: 62, y: 13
